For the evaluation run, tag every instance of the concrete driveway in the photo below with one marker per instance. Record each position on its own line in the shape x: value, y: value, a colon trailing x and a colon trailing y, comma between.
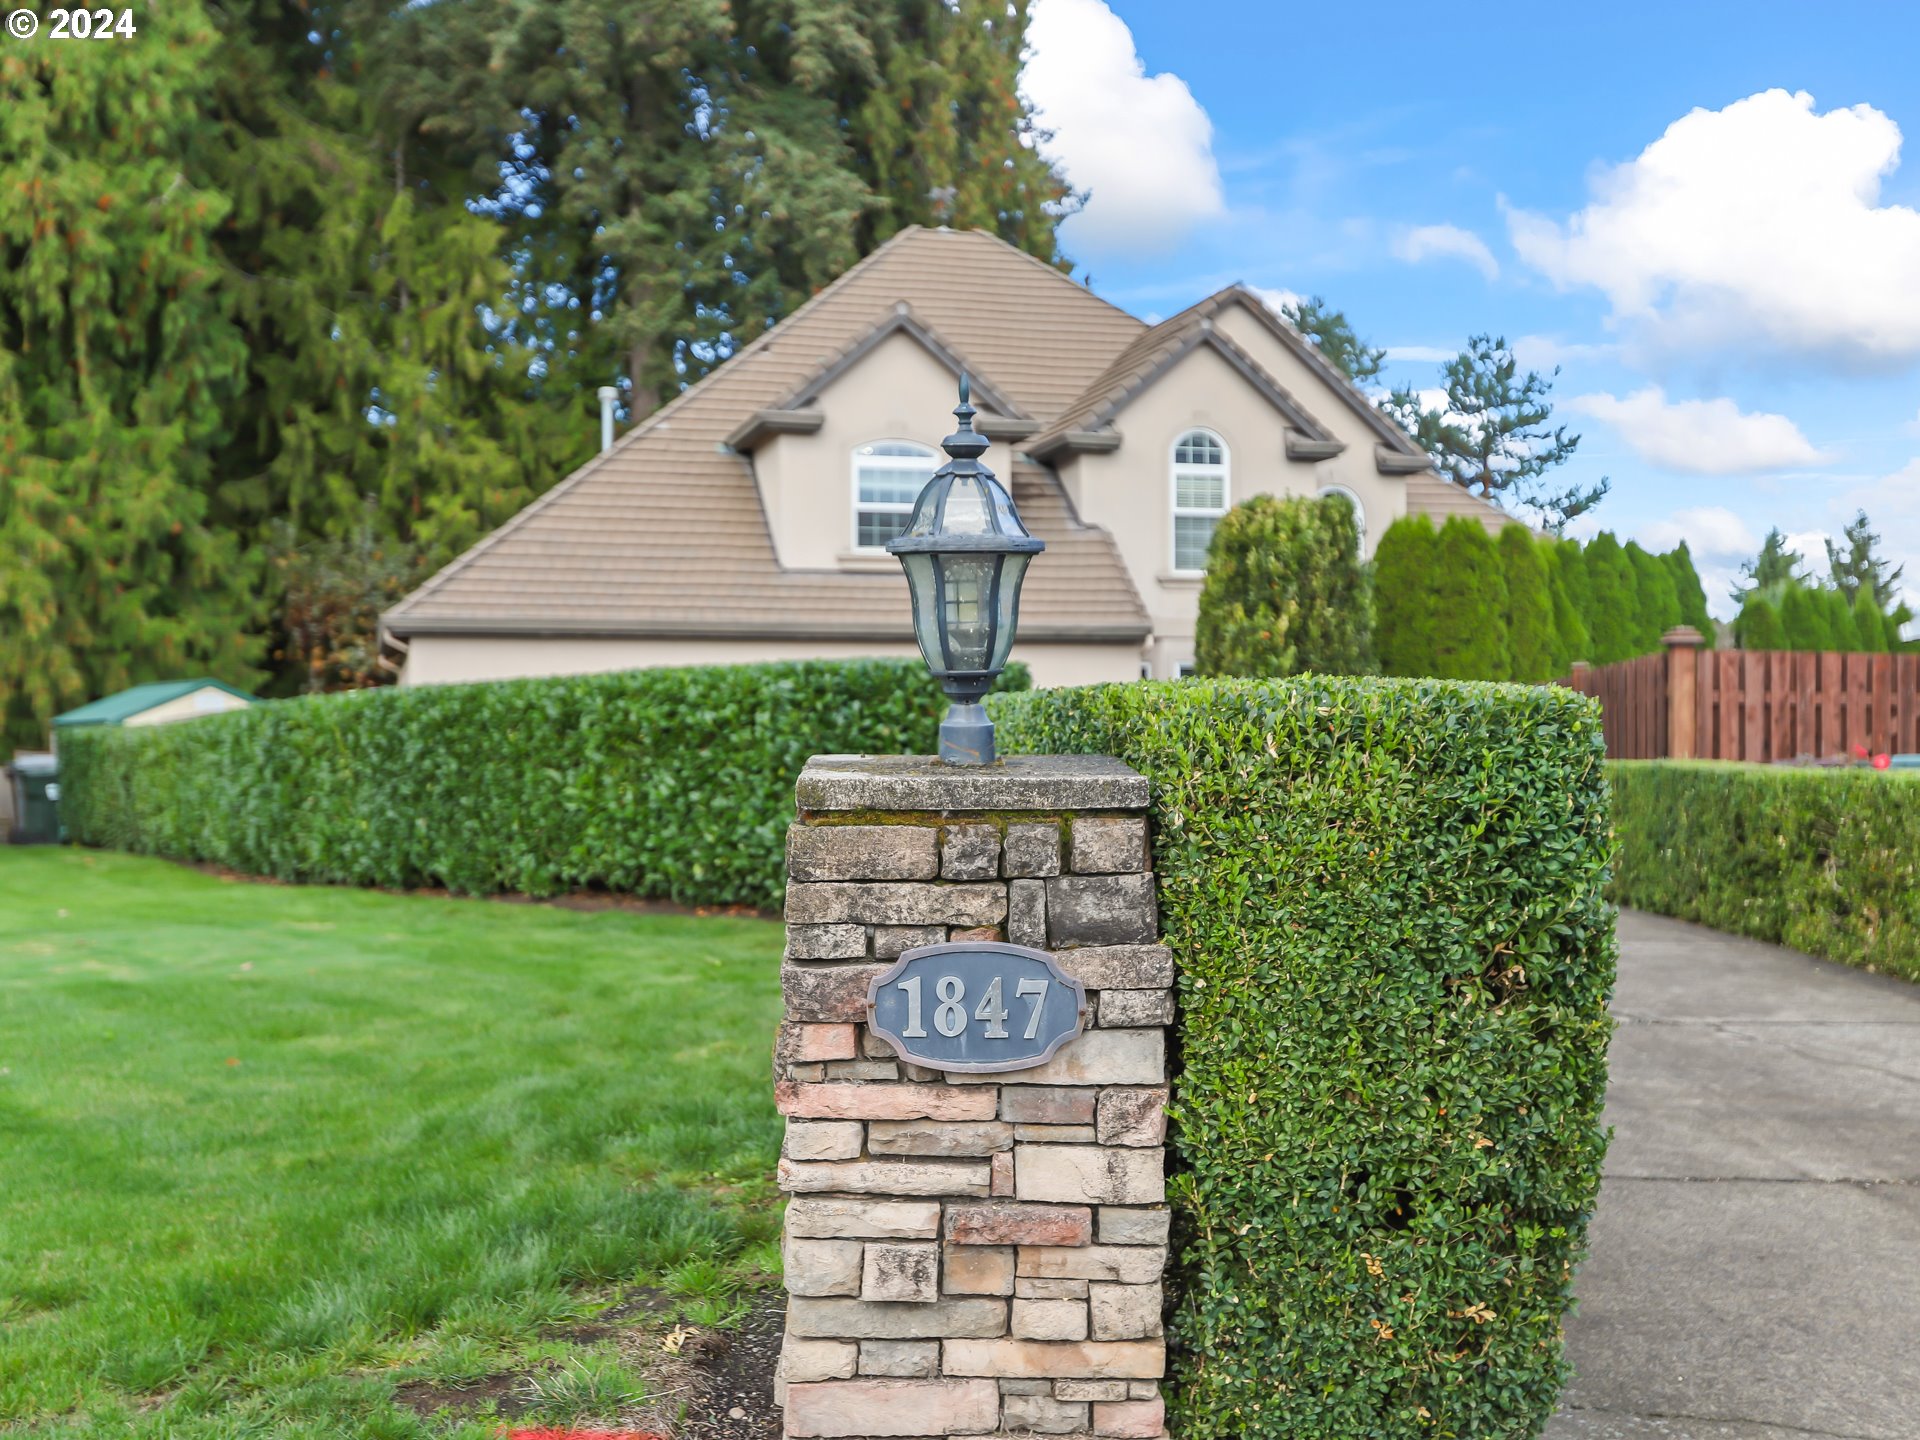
x: 1755, y: 1271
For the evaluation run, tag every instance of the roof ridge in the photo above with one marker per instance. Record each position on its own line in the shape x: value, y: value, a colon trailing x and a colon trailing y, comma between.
x: 1323, y: 368
x: 588, y: 466
x: 1052, y: 270
x: 900, y: 317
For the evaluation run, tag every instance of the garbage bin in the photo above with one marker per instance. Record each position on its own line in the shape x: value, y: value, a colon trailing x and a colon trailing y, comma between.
x: 36, y: 800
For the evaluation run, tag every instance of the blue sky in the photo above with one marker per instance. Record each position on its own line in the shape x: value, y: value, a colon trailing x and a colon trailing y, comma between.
x: 1726, y: 270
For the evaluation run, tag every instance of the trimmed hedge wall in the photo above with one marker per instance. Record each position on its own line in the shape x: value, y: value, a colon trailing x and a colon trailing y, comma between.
x: 1827, y: 861
x: 673, y: 784
x: 1386, y: 902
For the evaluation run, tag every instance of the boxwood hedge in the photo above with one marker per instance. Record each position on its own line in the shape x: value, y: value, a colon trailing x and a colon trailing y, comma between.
x: 1385, y: 898
x: 675, y: 784
x: 1827, y: 861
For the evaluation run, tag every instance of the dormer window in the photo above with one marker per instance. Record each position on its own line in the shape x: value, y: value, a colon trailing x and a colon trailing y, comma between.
x: 888, y: 476
x: 1200, y: 495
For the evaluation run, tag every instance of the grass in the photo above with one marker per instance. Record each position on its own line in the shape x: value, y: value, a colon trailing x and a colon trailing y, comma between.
x: 273, y: 1150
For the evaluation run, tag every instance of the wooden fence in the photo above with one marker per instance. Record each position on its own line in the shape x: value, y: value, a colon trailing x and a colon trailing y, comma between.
x: 1762, y: 705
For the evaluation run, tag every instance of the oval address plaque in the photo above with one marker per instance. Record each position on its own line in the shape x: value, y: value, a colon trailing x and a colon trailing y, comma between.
x: 976, y: 1006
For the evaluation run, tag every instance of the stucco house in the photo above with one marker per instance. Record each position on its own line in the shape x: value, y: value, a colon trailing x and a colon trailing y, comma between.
x: 745, y: 520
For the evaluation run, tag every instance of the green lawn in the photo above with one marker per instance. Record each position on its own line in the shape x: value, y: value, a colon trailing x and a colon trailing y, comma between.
x: 269, y: 1151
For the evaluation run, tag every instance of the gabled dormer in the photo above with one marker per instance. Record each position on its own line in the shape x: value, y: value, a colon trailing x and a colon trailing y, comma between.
x: 840, y: 460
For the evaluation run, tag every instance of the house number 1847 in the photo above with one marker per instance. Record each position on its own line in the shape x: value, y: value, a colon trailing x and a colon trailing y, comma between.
x: 975, y: 1005
x: 950, y: 1015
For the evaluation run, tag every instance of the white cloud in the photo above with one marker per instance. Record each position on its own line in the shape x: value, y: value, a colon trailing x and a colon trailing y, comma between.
x: 1714, y: 535
x: 1699, y: 437
x: 1418, y: 354
x: 1140, y: 145
x: 1426, y: 242
x: 1547, y: 352
x: 1758, y: 226
x: 1275, y: 299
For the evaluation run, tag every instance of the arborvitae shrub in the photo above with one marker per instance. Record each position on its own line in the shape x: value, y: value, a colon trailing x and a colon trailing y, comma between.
x: 1689, y: 591
x: 1758, y: 625
x: 1285, y: 591
x: 1804, y: 619
x: 1869, y: 627
x: 676, y: 784
x: 1655, y: 606
x: 1384, y: 897
x: 1470, y: 606
x: 1572, y: 598
x: 1404, y: 593
x: 1612, y: 604
x: 1530, y: 623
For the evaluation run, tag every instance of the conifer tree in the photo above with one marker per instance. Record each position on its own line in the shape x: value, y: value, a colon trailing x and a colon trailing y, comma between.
x: 118, y: 363
x: 1576, y: 629
x: 1858, y: 566
x: 1656, y: 607
x: 1771, y: 571
x: 1333, y: 335
x: 1689, y: 592
x: 1836, y: 617
x: 1405, y: 592
x: 1803, y: 620
x: 1471, y: 640
x: 1612, y: 606
x: 1869, y: 629
x: 1758, y: 625
x: 1530, y: 622
x: 1285, y: 592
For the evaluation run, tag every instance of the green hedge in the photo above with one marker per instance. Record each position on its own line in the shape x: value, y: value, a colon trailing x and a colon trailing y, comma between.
x: 1386, y: 902
x: 674, y: 784
x: 1827, y: 861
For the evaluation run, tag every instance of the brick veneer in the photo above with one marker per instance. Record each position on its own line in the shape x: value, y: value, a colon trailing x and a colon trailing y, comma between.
x: 972, y: 1254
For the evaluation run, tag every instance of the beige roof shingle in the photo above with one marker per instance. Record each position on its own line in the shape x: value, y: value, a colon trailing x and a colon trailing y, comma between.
x: 664, y: 534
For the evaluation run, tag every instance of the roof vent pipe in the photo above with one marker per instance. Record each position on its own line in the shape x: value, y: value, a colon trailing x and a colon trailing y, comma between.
x: 608, y: 394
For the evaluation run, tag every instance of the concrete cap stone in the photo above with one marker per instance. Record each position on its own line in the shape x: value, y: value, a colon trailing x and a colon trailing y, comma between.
x: 1015, y: 782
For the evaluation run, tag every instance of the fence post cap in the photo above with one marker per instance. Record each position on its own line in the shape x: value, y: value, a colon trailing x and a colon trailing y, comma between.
x: 1682, y: 635
x: 1581, y: 665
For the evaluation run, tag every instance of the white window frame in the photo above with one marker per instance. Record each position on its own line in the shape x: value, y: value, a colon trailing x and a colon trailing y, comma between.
x: 1333, y: 487
x: 1178, y: 511
x: 889, y: 507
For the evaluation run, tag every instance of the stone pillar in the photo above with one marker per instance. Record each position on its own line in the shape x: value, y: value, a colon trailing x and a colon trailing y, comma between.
x: 1683, y: 644
x: 972, y: 1254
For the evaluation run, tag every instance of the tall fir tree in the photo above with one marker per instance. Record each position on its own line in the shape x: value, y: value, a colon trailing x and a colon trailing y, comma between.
x: 1330, y: 332
x: 1656, y: 609
x: 1471, y: 640
x: 1858, y: 565
x: 1612, y: 606
x: 1494, y: 437
x: 1405, y: 595
x: 118, y: 365
x: 1770, y: 572
x: 1530, y: 622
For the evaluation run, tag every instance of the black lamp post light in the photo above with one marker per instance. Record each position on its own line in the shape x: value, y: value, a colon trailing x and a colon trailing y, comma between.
x: 965, y: 553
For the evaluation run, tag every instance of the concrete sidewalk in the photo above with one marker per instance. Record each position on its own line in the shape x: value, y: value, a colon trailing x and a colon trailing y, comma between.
x: 1755, y: 1271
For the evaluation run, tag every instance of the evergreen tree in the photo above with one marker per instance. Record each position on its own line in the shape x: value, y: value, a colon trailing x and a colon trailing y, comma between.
x: 1859, y: 566
x: 1492, y: 437
x: 1405, y: 592
x: 1690, y: 593
x: 1802, y: 620
x: 1285, y: 591
x: 1612, y: 606
x: 1531, y: 632
x: 1333, y: 335
x: 1566, y: 584
x: 1771, y: 571
x: 1836, y: 617
x: 1869, y: 629
x: 1471, y: 640
x: 939, y: 132
x: 118, y: 363
x: 1758, y: 625
x: 1656, y: 609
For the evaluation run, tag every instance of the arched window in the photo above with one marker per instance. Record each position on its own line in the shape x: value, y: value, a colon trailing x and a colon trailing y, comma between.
x: 1200, y: 496
x: 1359, y: 510
x: 888, y: 476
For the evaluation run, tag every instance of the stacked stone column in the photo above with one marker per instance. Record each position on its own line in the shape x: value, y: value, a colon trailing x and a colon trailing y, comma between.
x: 972, y: 1254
